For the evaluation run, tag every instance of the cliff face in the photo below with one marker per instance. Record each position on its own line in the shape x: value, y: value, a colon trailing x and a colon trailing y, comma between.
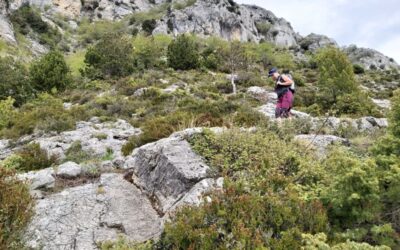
x: 222, y: 18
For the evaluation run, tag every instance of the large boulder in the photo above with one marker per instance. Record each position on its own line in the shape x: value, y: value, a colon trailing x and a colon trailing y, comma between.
x: 84, y: 216
x: 313, y: 42
x: 69, y: 170
x: 166, y: 170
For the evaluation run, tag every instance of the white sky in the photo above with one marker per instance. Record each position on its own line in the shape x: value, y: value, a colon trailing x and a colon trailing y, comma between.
x: 366, y: 23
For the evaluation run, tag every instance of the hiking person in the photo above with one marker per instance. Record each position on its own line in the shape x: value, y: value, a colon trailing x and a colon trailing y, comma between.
x: 284, y: 88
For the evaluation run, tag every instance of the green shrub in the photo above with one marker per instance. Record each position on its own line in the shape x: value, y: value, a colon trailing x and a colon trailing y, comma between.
x: 90, y: 32
x: 110, y: 57
x: 248, y: 117
x: 358, y: 69
x: 150, y: 52
x: 31, y: 157
x: 352, y: 194
x: 263, y: 28
x: 149, y: 25
x: 16, y: 209
x: 7, y: 112
x: 14, y: 81
x: 76, y: 154
x: 336, y: 77
x: 183, y: 53
x: 44, y: 113
x: 50, y: 72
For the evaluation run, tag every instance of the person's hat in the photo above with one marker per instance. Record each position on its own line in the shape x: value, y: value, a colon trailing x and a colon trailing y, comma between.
x: 272, y: 71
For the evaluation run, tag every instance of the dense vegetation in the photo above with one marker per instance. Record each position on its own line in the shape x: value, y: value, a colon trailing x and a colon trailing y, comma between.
x: 277, y: 193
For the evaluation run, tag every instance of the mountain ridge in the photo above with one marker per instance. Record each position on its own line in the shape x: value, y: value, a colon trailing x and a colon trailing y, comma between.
x: 225, y: 19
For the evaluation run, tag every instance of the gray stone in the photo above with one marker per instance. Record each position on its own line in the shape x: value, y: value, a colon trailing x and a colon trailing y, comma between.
x: 382, y: 103
x: 140, y: 92
x: 39, y: 179
x: 69, y: 170
x: 321, y: 142
x: 258, y: 93
x: 313, y: 42
x: 115, y: 133
x: 369, y: 58
x: 166, y: 170
x: 196, y: 194
x: 82, y: 217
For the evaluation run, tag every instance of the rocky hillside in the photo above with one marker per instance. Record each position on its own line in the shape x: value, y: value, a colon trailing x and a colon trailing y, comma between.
x: 224, y: 19
x: 117, y: 131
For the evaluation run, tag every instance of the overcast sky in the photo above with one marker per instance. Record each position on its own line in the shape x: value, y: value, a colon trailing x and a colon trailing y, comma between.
x: 366, y: 23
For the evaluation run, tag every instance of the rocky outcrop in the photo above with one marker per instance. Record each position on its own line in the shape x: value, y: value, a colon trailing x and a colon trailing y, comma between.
x: 84, y: 216
x: 6, y: 29
x: 166, y: 170
x: 369, y: 58
x: 230, y: 21
x: 313, y: 42
x: 160, y: 177
x: 95, y: 137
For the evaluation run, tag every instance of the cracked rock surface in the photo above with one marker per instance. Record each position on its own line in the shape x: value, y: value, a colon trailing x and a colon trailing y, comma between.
x: 81, y: 217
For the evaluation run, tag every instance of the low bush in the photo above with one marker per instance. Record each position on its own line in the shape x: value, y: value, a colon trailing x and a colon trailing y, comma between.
x: 16, y: 210
x: 30, y: 157
x: 50, y: 73
x: 14, y: 80
x: 110, y: 57
x: 183, y: 53
x: 76, y: 154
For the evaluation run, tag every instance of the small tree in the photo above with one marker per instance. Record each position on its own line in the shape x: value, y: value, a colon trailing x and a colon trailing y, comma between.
x: 236, y: 60
x: 14, y: 81
x: 183, y: 53
x: 111, y: 57
x: 394, y: 115
x: 336, y: 76
x: 49, y: 72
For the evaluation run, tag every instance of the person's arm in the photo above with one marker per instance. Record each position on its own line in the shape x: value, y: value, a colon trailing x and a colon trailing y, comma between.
x: 286, y: 81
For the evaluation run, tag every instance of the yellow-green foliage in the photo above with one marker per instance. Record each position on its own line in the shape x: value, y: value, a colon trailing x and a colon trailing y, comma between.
x: 16, y: 209
x: 7, y: 112
x: 75, y: 62
x: 44, y: 113
x: 90, y: 32
x: 151, y: 51
x: 28, y: 158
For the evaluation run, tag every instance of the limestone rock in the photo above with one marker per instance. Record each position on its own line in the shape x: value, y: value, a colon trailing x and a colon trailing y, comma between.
x: 69, y: 170
x: 369, y: 58
x: 166, y: 170
x: 382, y: 103
x: 313, y: 42
x: 81, y: 217
x: 39, y: 179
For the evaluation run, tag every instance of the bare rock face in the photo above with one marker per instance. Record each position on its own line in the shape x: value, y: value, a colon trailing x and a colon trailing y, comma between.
x: 313, y: 42
x: 229, y: 21
x: 81, y: 217
x: 166, y: 170
x: 369, y: 58
x: 6, y: 29
x: 165, y: 175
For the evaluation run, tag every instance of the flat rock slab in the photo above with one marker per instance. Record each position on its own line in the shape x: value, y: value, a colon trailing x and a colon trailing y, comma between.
x: 82, y: 217
x: 321, y: 142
